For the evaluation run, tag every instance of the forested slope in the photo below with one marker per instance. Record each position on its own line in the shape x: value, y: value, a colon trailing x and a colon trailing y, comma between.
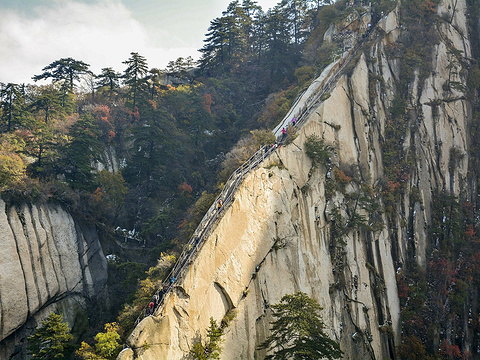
x: 383, y: 234
x: 130, y: 152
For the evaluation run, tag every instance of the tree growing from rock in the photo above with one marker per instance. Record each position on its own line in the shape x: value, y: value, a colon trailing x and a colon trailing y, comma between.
x: 52, y: 340
x: 298, y: 331
x: 211, y: 349
x: 316, y: 150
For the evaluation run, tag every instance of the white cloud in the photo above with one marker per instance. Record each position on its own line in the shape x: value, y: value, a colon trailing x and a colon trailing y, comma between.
x: 101, y: 34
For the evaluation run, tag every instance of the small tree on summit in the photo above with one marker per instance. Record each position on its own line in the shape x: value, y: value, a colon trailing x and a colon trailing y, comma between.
x: 66, y: 69
x: 297, y: 332
x: 108, y: 78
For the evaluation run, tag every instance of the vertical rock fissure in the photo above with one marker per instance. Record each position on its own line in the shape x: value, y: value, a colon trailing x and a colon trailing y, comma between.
x: 45, y: 223
x: 82, y: 251
x: 30, y: 242
x: 61, y: 259
x: 2, y: 310
x: 40, y: 252
x: 438, y: 144
x: 22, y: 261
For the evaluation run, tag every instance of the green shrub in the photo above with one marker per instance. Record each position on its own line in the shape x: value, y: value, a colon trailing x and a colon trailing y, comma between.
x: 316, y: 150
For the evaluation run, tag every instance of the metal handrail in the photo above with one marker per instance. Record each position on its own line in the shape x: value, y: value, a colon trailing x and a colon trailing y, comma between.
x: 227, y: 194
x: 205, y: 225
x: 314, y: 100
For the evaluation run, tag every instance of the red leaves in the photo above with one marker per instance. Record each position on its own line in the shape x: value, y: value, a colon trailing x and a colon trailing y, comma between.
x: 104, y: 119
x: 470, y: 232
x: 207, y: 102
x: 450, y: 351
x: 392, y: 186
x: 402, y: 289
x: 430, y: 6
x: 341, y: 177
x: 184, y: 187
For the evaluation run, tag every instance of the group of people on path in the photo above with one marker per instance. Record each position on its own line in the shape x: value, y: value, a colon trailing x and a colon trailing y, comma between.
x: 158, y: 298
x: 285, y: 128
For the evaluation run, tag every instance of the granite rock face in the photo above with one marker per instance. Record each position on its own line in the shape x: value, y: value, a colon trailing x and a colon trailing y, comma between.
x: 49, y: 263
x: 291, y: 228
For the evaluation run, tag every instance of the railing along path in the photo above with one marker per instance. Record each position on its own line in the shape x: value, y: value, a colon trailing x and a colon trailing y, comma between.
x: 227, y: 195
x: 314, y: 100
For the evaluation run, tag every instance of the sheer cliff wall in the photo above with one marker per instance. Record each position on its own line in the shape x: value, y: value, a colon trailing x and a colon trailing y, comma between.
x: 331, y: 230
x: 49, y: 262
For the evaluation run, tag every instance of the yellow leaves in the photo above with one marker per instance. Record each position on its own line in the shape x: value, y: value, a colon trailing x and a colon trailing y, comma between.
x: 166, y: 261
x: 158, y: 272
x: 86, y: 352
x: 147, y: 287
x: 107, y: 344
x: 12, y: 166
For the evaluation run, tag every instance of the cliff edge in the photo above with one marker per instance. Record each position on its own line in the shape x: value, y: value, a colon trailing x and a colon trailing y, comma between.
x: 339, y: 231
x: 49, y: 262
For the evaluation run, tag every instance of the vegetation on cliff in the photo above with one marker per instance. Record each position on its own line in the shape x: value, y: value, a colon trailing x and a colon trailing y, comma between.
x: 134, y: 151
x: 171, y: 139
x: 439, y: 306
x: 298, y: 331
x: 52, y: 340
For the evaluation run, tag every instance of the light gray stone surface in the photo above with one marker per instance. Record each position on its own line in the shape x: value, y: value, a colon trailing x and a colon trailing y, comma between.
x: 284, y: 200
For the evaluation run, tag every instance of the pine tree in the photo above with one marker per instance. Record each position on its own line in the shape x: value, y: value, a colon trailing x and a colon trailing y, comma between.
x: 281, y: 56
x: 297, y: 332
x: 297, y: 14
x: 66, y: 69
x: 211, y: 350
x: 231, y: 38
x: 51, y: 340
x: 8, y: 94
x: 47, y: 100
x: 108, y: 78
x: 134, y: 74
x: 83, y: 150
x: 215, y: 49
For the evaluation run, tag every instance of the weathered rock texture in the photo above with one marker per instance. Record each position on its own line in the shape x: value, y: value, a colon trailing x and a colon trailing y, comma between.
x: 294, y: 226
x: 49, y: 262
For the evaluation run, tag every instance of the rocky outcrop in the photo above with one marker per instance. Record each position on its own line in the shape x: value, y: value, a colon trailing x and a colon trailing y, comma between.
x: 330, y: 229
x: 49, y: 262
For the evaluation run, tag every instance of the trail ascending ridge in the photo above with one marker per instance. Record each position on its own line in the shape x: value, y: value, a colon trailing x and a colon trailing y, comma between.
x: 301, y: 109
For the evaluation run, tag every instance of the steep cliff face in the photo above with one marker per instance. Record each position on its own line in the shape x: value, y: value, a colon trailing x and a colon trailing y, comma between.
x: 49, y: 263
x: 339, y: 231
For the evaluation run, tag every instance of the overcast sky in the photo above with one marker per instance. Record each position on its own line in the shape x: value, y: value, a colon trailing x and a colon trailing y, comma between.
x: 102, y: 33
